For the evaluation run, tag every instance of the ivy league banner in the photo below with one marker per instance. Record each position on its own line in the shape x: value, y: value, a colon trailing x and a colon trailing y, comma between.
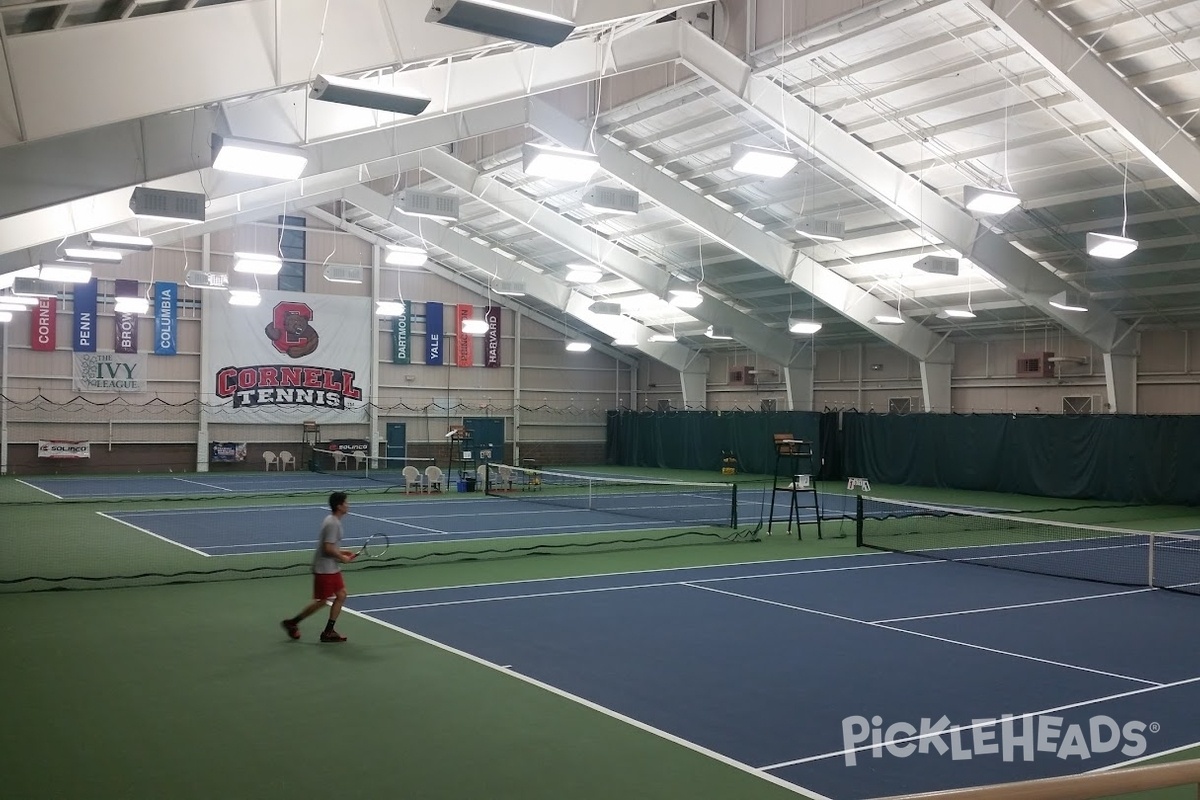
x: 296, y: 356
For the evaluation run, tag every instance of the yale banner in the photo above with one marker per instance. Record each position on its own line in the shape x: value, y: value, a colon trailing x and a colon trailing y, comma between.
x: 111, y: 373
x: 166, y: 300
x: 84, y: 300
x: 433, y: 334
x: 401, y: 336
x: 295, y: 357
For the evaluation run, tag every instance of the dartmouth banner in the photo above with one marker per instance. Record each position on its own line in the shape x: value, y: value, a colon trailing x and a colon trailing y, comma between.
x: 294, y: 357
x: 402, y: 336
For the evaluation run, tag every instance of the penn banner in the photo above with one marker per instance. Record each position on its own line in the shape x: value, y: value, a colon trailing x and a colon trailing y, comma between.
x: 464, y: 343
x: 55, y: 448
x: 166, y: 330
x: 84, y: 302
x: 43, y: 324
x: 491, y: 345
x: 295, y: 357
x: 433, y: 334
x: 125, y: 326
x: 402, y: 335
x: 109, y: 373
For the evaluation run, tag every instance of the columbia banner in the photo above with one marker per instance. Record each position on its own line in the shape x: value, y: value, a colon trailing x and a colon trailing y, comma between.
x: 43, y: 324
x: 166, y: 329
x: 294, y: 357
x: 58, y: 449
x: 464, y: 344
x: 125, y: 326
x: 434, y: 340
x: 491, y: 345
x: 109, y: 373
x: 402, y: 336
x: 84, y: 301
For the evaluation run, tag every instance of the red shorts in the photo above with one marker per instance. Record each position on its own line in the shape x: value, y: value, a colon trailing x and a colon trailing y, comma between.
x: 326, y: 585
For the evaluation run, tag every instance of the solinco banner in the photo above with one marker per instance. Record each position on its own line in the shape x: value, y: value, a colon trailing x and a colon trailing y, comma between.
x: 297, y: 356
x: 402, y: 336
x: 84, y: 300
x: 122, y: 373
x: 491, y: 345
x: 165, y: 326
x: 53, y: 448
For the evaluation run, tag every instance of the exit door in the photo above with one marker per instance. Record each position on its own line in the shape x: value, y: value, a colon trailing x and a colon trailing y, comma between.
x: 397, y: 440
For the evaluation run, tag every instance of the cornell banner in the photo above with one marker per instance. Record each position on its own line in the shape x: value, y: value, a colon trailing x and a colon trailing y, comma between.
x: 294, y: 357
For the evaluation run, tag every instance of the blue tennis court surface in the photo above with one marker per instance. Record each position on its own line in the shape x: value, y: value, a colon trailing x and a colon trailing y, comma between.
x: 790, y: 668
x: 199, y: 484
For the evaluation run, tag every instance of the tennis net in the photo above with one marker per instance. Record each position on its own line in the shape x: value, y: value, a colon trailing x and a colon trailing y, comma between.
x: 357, y: 464
x: 1165, y: 560
x: 673, y: 503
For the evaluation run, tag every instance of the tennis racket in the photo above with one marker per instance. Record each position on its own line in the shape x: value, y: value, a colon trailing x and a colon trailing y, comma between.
x: 374, y: 547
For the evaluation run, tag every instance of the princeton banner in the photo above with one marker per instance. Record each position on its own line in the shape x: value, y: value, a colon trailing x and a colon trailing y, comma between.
x: 296, y: 356
x: 110, y: 373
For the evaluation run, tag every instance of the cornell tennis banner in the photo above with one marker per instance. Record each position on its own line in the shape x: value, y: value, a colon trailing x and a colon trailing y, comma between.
x: 296, y: 356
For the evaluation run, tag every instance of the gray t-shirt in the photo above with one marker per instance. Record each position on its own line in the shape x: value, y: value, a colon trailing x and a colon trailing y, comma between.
x: 331, y: 531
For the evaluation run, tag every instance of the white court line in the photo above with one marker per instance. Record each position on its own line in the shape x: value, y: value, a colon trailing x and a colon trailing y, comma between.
x: 1016, y: 605
x: 598, y: 589
x: 433, y: 531
x: 670, y: 737
x: 40, y: 489
x: 923, y: 635
x: 209, y: 485
x: 1147, y: 757
x: 985, y: 723
x: 152, y: 533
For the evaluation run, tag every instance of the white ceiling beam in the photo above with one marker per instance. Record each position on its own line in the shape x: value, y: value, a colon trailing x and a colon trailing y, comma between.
x: 741, y: 235
x: 591, y: 246
x: 492, y: 265
x: 1098, y: 87
x: 891, y: 185
x: 169, y: 62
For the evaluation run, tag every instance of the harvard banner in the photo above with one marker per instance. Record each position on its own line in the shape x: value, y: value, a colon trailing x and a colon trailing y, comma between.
x: 295, y: 357
x: 111, y: 373
x: 125, y: 327
x: 433, y: 334
x: 165, y: 326
x: 84, y: 301
x: 491, y: 345
x: 401, y: 336
x: 43, y: 324
x: 464, y: 344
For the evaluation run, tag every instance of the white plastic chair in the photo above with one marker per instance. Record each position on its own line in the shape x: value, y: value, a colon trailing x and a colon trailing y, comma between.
x: 481, y: 477
x: 286, y: 458
x: 271, y: 459
x: 505, y: 474
x: 412, y: 478
x: 360, y: 459
x: 339, y: 460
x: 433, y: 476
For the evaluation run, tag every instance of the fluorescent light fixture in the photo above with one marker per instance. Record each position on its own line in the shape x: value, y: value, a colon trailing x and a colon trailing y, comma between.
x: 1069, y: 300
x: 763, y: 161
x: 65, y: 273
x: 803, y: 326
x: 821, y: 230
x: 683, y: 295
x: 502, y: 20
x: 5, y: 316
x: 8, y: 278
x: 612, y: 201
x: 166, y: 204
x: 333, y: 89
x: 543, y: 161
x: 578, y: 347
x: 1102, y: 245
x: 989, y: 201
x: 390, y: 308
x: 253, y: 157
x: 401, y: 256
x: 88, y: 256
x: 626, y: 340
x: 431, y: 205
x: 583, y: 273
x: 722, y: 332
x: 34, y: 287
x: 119, y: 241
x: 257, y: 263
x: 5, y: 305
x: 887, y: 319
x: 663, y: 337
x: 198, y: 279
x: 937, y: 265
x: 510, y: 288
x: 19, y: 300
x: 338, y: 273
x: 956, y: 313
x: 131, y: 305
x: 244, y: 297
x: 475, y: 327
x: 604, y: 309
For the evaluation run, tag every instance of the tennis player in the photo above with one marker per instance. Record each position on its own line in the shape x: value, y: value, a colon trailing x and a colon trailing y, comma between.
x: 327, y: 572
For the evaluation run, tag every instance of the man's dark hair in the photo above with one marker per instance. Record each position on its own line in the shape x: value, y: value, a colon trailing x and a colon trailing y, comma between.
x: 336, y: 499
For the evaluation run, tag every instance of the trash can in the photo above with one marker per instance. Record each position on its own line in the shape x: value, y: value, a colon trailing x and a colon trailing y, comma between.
x: 466, y: 483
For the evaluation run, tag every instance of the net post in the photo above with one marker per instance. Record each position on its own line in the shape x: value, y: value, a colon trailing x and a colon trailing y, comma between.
x: 1150, y: 563
x: 733, y: 512
x: 858, y: 521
